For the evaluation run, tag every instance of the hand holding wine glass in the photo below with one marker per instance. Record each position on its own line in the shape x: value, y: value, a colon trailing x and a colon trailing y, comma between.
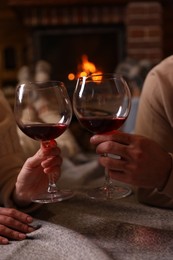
x: 43, y: 112
x: 102, y: 104
x: 33, y: 177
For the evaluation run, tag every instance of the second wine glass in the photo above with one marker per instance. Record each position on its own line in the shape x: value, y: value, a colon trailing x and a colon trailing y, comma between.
x: 101, y: 104
x: 43, y: 112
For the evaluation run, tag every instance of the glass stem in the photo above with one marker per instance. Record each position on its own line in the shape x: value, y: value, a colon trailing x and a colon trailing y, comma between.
x: 108, y: 188
x: 108, y: 181
x: 52, y: 185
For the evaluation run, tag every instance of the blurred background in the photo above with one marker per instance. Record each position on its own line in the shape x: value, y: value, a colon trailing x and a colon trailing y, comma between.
x: 62, y: 39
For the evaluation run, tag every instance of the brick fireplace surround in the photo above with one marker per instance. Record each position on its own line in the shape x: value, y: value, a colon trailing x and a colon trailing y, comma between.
x: 142, y: 20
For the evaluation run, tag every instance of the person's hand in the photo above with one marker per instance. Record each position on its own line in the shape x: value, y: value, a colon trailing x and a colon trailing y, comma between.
x: 142, y: 162
x: 14, y: 225
x: 33, y: 178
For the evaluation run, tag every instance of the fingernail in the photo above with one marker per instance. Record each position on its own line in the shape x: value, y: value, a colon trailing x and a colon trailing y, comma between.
x: 30, y: 229
x: 29, y: 219
x: 22, y: 236
x: 5, y: 241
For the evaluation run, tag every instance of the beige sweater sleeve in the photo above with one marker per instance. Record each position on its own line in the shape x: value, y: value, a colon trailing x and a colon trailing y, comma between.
x: 11, y: 155
x: 155, y: 121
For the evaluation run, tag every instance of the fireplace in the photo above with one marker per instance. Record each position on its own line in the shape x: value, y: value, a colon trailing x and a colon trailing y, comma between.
x: 63, y: 48
x: 107, y: 31
x: 140, y: 21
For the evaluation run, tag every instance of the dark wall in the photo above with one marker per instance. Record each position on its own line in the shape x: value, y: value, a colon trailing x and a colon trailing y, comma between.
x: 168, y: 29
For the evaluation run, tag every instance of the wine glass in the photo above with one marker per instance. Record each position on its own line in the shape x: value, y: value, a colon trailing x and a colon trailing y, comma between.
x: 43, y: 112
x: 102, y: 104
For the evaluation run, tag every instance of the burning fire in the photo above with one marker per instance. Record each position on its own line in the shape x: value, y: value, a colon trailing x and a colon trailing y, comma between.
x: 85, y: 68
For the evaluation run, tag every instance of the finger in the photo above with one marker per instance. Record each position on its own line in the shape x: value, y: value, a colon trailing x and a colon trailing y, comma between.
x: 15, y: 224
x: 120, y: 137
x: 52, y: 161
x: 3, y: 240
x: 113, y: 164
x: 40, y: 156
x: 117, y: 169
x: 44, y: 152
x: 51, y: 152
x: 48, y: 144
x: 16, y: 214
x: 10, y: 233
x: 113, y: 148
x: 54, y: 170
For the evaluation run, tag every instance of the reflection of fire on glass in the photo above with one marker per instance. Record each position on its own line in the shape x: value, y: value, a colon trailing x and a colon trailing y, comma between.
x: 84, y: 68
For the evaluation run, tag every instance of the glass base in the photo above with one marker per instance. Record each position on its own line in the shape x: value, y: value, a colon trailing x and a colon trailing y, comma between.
x: 111, y: 193
x: 53, y: 197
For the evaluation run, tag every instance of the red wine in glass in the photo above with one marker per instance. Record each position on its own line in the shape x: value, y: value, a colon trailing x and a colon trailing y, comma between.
x: 102, y: 104
x: 101, y: 125
x: 43, y: 112
x: 43, y: 132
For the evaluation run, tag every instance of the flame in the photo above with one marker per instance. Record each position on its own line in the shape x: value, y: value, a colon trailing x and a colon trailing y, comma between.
x: 84, y: 68
x: 97, y: 77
